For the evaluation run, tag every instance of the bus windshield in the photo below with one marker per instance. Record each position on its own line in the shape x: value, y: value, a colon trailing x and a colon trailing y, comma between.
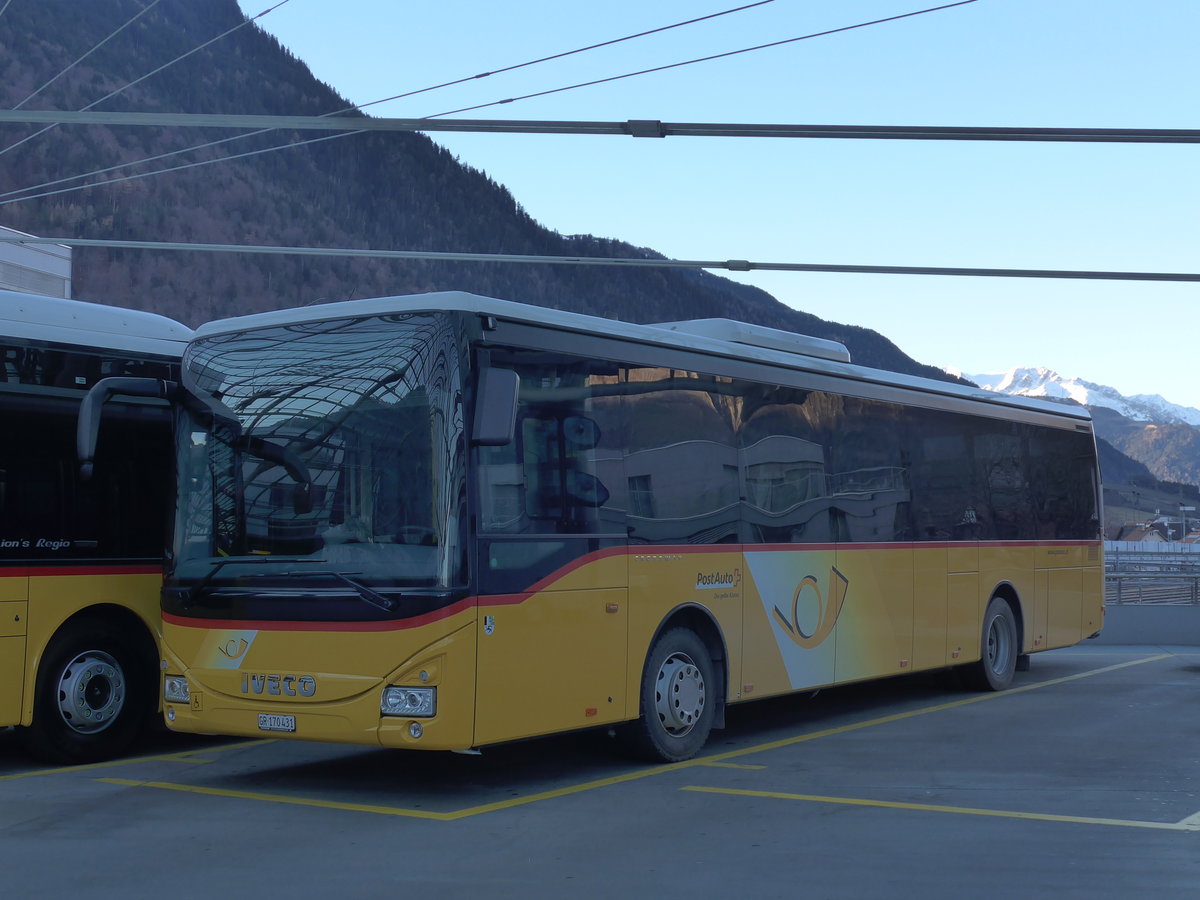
x: 371, y: 410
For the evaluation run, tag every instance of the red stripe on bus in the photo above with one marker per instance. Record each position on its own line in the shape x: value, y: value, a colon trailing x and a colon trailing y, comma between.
x: 390, y: 625
x: 36, y: 571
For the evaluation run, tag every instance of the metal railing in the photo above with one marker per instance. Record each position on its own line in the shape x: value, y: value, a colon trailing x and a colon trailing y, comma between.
x: 1152, y: 577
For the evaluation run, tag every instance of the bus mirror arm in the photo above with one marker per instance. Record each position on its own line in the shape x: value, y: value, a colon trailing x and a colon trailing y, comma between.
x: 290, y: 462
x: 87, y: 429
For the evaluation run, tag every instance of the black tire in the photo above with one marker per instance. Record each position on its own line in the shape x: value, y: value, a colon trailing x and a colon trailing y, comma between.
x: 998, y: 649
x: 679, y: 696
x: 94, y: 694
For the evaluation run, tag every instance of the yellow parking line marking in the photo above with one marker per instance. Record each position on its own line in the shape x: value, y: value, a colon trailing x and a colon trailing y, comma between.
x: 279, y: 798
x: 1193, y: 821
x: 716, y: 759
x: 727, y: 765
x: 403, y: 811
x: 957, y: 810
x: 128, y: 761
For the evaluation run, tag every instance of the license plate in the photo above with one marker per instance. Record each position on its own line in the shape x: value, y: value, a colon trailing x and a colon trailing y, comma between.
x: 270, y: 722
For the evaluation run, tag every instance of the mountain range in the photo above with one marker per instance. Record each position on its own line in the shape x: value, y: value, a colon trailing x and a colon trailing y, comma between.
x: 393, y: 191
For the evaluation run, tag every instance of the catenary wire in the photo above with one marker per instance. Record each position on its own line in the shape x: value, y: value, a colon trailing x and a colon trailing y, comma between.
x: 362, y: 106
x: 558, y: 90
x: 165, y: 65
x: 702, y: 59
x: 732, y: 265
x: 634, y: 128
x: 132, y: 19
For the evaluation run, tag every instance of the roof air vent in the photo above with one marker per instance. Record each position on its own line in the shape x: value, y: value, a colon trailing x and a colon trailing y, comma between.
x: 759, y: 336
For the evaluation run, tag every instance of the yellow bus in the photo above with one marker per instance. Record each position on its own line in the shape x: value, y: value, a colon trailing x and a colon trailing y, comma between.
x: 81, y: 560
x: 448, y: 521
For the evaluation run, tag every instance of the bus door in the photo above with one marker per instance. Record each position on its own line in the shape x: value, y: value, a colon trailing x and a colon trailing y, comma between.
x: 551, y: 567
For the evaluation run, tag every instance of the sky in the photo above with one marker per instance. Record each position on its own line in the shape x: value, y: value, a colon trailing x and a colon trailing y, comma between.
x: 1037, y: 63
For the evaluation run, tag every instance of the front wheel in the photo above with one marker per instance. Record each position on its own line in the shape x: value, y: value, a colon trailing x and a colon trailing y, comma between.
x: 678, y: 699
x: 92, y: 697
x: 998, y: 649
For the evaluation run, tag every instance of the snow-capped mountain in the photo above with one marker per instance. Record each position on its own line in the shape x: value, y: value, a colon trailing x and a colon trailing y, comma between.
x: 1046, y: 383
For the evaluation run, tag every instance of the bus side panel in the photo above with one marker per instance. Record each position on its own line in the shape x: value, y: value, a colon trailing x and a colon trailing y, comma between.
x: 13, y: 615
x: 1065, y: 613
x: 793, y: 601
x: 1035, y: 636
x: 552, y: 662
x: 931, y: 607
x: 875, y: 633
x: 963, y: 623
x: 1093, y: 600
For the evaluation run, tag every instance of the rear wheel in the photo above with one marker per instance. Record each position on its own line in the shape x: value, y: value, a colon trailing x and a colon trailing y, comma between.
x: 998, y: 649
x: 93, y: 695
x: 678, y: 699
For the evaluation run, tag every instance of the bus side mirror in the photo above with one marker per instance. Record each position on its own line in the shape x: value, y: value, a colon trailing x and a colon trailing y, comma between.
x: 495, y: 407
x: 87, y: 428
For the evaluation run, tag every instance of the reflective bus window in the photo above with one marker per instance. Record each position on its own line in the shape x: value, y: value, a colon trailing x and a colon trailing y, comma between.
x: 681, y: 457
x: 558, y: 474
x: 47, y: 513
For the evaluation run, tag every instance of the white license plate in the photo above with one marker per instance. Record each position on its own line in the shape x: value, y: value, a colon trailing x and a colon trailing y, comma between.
x: 269, y: 722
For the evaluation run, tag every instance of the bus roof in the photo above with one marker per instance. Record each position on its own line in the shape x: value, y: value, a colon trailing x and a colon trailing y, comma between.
x: 740, y: 340
x: 83, y: 324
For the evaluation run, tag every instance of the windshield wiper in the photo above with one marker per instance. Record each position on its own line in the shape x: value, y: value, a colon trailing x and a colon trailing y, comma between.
x: 194, y: 591
x: 373, y: 597
x: 366, y: 594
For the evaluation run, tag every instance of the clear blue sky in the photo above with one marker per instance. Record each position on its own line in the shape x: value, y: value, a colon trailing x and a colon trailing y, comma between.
x: 1066, y: 63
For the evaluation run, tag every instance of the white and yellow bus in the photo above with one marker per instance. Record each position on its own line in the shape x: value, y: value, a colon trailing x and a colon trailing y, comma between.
x: 81, y: 559
x: 448, y: 521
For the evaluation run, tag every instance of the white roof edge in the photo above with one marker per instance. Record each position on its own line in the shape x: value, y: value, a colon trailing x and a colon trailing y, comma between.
x: 648, y: 334
x: 37, y: 317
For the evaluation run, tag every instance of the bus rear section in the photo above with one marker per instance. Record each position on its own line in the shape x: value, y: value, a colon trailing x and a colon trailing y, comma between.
x: 81, y: 558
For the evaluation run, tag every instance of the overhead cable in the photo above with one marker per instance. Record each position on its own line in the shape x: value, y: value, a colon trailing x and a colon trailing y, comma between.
x: 638, y: 128
x: 238, y: 137
x: 133, y: 19
x: 732, y: 265
x: 629, y: 128
x: 165, y: 65
x: 691, y: 62
x: 557, y: 90
x: 566, y: 53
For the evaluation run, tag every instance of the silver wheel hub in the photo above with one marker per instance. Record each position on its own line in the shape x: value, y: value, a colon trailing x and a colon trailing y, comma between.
x: 679, y: 694
x: 91, y: 692
x: 998, y: 644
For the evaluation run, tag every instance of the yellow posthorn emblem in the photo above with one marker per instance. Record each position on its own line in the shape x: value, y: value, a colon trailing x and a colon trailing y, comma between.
x: 828, y: 610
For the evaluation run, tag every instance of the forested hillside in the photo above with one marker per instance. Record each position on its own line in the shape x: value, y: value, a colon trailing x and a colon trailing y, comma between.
x: 381, y: 191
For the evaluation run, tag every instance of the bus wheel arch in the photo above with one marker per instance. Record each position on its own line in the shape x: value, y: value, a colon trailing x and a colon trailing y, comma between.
x: 682, y: 689
x: 95, y: 687
x: 1001, y: 641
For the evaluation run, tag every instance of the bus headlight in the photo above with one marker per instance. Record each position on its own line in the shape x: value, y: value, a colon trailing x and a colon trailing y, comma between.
x: 176, y: 690
x: 409, y: 701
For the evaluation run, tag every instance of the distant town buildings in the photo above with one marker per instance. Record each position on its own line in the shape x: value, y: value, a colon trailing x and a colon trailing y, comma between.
x: 1160, y: 530
x: 34, y: 268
